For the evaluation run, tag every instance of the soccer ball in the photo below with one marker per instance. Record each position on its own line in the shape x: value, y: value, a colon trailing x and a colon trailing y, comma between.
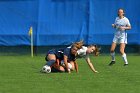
x: 46, y: 69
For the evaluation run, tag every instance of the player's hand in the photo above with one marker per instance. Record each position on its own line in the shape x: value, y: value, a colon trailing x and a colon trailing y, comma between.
x: 113, y: 25
x: 96, y: 71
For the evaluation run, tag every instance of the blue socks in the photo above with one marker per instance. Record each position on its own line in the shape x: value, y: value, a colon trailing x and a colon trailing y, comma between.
x: 50, y: 62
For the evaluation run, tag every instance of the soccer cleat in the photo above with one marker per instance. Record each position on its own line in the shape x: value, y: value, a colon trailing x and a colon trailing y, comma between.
x: 111, y: 63
x: 125, y: 65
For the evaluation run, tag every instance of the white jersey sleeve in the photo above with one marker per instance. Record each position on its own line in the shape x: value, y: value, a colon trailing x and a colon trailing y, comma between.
x: 122, y: 22
x: 127, y: 22
x: 82, y: 52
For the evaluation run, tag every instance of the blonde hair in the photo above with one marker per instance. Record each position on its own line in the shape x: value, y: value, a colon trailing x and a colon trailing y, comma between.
x: 78, y: 44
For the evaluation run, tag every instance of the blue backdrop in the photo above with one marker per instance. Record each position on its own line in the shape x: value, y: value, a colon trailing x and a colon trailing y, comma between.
x: 60, y: 22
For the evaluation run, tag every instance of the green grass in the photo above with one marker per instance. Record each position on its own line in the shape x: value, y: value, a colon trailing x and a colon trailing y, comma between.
x: 20, y: 74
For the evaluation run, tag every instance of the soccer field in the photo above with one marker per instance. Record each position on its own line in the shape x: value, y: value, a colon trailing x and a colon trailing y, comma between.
x: 20, y: 74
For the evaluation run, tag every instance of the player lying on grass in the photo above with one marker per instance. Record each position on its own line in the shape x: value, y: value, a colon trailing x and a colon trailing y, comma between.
x: 67, y: 54
x: 84, y: 53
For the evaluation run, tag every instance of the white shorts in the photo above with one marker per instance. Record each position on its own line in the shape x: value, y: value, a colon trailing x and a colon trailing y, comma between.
x: 119, y: 40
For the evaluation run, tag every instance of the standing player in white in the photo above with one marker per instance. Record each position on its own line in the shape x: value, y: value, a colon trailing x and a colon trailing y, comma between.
x: 120, y: 37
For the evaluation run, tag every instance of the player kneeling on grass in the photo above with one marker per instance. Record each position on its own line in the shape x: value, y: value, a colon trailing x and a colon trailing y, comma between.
x: 84, y: 52
x: 55, y: 55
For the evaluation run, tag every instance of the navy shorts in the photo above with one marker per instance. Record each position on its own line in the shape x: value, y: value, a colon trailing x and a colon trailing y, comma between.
x: 49, y: 52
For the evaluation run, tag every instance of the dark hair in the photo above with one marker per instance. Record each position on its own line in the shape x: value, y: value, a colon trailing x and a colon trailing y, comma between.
x: 97, y: 49
x: 123, y: 11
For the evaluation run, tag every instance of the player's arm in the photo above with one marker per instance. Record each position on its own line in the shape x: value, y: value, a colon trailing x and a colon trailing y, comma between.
x: 91, y: 65
x: 57, y: 61
x: 66, y: 63
x: 76, y: 66
x: 113, y: 25
x: 128, y: 27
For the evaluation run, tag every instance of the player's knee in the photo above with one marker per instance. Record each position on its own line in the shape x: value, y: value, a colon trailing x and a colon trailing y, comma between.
x: 61, y: 69
x: 72, y: 69
x: 111, y: 50
x: 71, y: 66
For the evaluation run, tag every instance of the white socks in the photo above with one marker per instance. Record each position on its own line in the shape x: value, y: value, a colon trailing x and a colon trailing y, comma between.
x: 112, y: 56
x: 125, y: 58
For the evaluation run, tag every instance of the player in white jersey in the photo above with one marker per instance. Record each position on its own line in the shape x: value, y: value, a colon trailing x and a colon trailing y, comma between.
x: 120, y: 36
x: 84, y: 53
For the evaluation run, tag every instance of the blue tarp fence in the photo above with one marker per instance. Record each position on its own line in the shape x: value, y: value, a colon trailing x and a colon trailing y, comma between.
x: 61, y: 22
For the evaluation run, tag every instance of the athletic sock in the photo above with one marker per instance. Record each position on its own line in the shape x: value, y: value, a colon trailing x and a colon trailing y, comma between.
x: 125, y: 58
x: 50, y: 62
x: 112, y: 56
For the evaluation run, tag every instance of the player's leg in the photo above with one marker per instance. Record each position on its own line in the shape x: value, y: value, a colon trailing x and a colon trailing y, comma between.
x: 51, y: 59
x: 71, y: 65
x: 112, y: 53
x: 122, y: 48
x: 57, y: 68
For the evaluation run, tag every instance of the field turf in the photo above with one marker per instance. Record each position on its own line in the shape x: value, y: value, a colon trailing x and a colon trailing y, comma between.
x: 20, y: 74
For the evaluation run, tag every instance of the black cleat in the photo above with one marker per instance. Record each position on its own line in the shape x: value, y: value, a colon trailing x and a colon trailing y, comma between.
x: 111, y: 63
x: 125, y: 65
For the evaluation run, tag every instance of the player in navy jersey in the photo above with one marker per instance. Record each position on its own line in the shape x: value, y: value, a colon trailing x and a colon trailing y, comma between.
x: 66, y: 54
